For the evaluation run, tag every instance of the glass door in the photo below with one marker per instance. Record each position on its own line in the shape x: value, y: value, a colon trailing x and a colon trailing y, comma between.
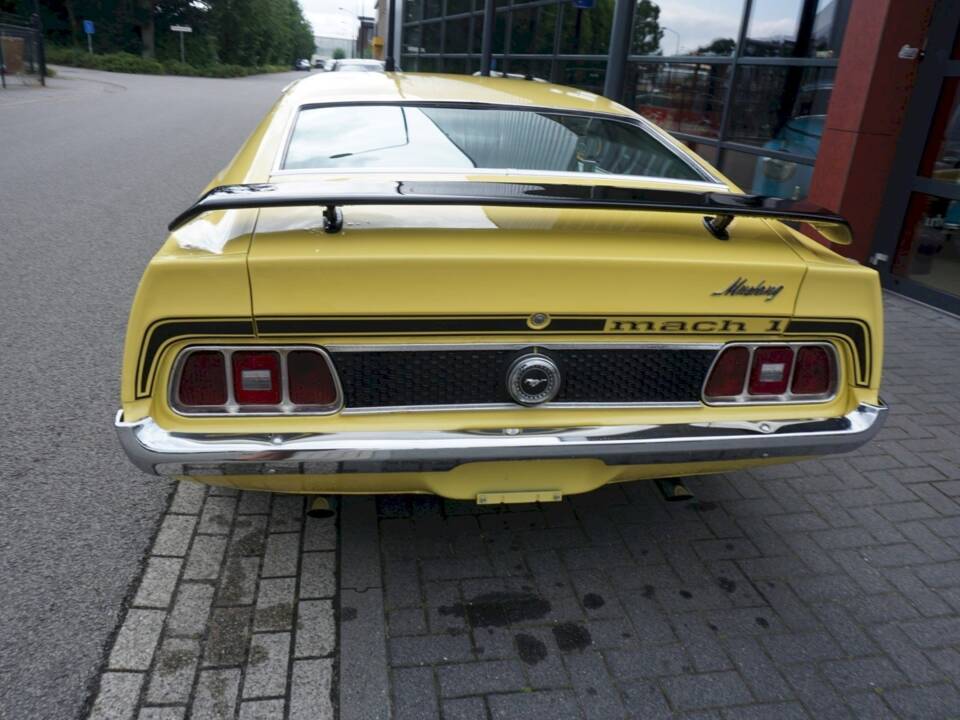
x: 917, y: 246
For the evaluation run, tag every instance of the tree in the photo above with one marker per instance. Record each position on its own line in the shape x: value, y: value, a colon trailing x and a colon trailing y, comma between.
x: 242, y: 32
x: 339, y: 54
x: 646, y: 29
x: 720, y: 46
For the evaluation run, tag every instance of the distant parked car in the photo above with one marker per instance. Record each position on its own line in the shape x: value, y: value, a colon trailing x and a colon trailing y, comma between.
x: 357, y: 65
x: 302, y: 64
x: 321, y: 63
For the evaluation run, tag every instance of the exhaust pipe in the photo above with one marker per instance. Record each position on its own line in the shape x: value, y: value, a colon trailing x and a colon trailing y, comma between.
x: 320, y: 508
x: 674, y: 490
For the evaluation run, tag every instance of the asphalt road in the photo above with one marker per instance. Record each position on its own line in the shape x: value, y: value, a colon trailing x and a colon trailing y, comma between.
x: 91, y: 169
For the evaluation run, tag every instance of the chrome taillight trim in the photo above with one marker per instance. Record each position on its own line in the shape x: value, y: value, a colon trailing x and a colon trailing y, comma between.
x: 787, y: 398
x: 234, y: 409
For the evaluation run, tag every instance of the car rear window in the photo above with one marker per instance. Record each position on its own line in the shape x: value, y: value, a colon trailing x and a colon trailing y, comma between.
x: 461, y: 138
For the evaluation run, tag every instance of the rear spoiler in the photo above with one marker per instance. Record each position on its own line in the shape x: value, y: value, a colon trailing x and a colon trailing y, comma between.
x: 718, y: 208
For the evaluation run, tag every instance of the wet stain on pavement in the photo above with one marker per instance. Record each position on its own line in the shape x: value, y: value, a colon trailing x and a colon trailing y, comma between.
x: 499, y: 609
x: 530, y: 649
x: 648, y: 591
x: 686, y: 594
x: 252, y: 543
x: 232, y: 590
x: 258, y: 655
x: 763, y: 622
x: 570, y: 636
x: 174, y: 660
x: 348, y: 613
x: 274, y: 616
x: 726, y: 584
x: 592, y: 601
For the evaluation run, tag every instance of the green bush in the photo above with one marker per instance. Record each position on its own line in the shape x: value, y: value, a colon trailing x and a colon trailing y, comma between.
x: 128, y: 63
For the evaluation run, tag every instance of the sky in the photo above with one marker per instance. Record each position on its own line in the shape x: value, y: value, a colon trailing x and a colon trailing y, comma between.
x: 691, y: 23
x: 330, y: 21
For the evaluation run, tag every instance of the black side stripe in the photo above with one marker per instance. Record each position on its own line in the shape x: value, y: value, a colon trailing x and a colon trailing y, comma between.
x: 854, y: 332
x: 163, y: 331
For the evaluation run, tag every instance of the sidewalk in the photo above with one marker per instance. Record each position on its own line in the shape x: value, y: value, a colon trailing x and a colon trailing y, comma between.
x: 824, y: 589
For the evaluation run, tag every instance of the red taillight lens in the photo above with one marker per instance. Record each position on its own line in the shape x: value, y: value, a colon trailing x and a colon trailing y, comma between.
x: 729, y: 373
x: 814, y: 372
x: 309, y: 379
x: 256, y: 378
x: 770, y: 373
x: 203, y: 379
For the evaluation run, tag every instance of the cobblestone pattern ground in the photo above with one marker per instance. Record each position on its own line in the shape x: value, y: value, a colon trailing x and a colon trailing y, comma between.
x: 824, y: 589
x: 234, y: 615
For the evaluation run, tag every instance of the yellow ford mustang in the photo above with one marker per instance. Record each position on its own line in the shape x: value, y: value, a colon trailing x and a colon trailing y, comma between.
x: 488, y: 289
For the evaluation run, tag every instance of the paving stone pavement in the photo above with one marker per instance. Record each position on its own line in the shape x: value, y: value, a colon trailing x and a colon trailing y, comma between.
x: 234, y: 615
x: 824, y: 589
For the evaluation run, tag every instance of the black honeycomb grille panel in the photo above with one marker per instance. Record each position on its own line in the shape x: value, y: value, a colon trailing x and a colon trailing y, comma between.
x: 372, y: 379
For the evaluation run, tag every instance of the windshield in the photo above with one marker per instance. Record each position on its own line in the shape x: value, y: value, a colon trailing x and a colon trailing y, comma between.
x: 464, y: 138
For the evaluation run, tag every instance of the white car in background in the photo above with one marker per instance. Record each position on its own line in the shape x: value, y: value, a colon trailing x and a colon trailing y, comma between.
x: 357, y: 65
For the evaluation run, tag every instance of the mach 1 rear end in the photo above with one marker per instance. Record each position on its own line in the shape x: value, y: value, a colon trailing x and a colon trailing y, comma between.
x: 499, y: 290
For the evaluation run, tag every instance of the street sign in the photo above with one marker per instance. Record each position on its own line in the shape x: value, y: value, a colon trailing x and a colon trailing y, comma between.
x: 181, y: 29
x: 89, y: 30
x: 583, y: 4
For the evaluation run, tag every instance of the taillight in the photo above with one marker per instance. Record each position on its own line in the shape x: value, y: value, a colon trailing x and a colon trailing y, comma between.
x: 263, y: 380
x: 310, y: 379
x: 729, y: 373
x: 771, y: 373
x: 203, y: 380
x: 813, y: 374
x: 256, y: 378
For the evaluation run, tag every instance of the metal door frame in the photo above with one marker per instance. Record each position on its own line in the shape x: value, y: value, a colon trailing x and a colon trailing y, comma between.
x: 934, y: 68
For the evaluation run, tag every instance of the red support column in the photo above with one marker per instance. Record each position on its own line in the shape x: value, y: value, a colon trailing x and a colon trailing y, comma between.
x: 867, y: 106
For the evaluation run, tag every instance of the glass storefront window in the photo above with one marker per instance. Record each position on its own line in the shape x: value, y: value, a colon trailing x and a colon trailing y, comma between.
x: 411, y: 11
x: 795, y: 28
x: 929, y: 249
x: 432, y: 33
x: 767, y: 175
x: 539, y: 69
x: 707, y: 152
x: 411, y: 39
x: 781, y: 108
x: 692, y: 27
x: 499, y: 33
x: 586, y: 32
x: 456, y: 7
x: 586, y: 74
x: 432, y: 8
x: 457, y: 36
x: 679, y: 96
x: 533, y: 30
x: 460, y: 66
x: 941, y: 159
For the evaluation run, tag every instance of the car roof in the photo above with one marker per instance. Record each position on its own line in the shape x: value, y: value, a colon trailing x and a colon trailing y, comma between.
x: 437, y: 87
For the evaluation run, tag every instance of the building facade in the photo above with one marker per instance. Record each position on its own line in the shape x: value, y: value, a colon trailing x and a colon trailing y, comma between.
x: 829, y: 100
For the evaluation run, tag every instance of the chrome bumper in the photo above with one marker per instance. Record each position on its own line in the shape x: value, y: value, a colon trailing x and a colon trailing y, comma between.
x: 155, y: 450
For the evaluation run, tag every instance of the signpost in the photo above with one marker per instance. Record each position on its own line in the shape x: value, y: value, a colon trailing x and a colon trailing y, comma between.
x: 181, y: 29
x: 89, y: 30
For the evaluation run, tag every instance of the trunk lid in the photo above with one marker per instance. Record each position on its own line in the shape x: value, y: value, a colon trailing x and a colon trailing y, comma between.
x: 495, y: 260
